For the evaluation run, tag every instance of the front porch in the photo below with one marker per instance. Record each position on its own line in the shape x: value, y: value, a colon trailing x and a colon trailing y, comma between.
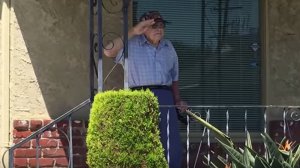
x: 46, y: 71
x: 61, y: 142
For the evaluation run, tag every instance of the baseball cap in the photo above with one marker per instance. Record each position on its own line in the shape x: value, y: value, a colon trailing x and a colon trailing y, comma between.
x: 153, y: 15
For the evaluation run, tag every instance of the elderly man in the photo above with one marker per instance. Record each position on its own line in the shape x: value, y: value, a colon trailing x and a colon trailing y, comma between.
x: 153, y: 64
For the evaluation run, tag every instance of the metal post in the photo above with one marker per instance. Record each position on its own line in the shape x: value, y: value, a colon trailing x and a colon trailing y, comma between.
x: 11, y: 158
x: 188, y: 141
x: 70, y: 142
x: 100, y: 55
x: 246, y: 124
x: 125, y: 33
x: 265, y: 131
x: 284, y: 122
x: 37, y: 148
x: 227, y: 127
x: 208, y: 138
x: 91, y: 36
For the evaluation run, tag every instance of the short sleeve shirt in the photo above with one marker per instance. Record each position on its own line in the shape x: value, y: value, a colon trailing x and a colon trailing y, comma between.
x: 149, y: 65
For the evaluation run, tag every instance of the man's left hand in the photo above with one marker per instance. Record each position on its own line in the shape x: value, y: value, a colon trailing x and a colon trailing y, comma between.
x: 181, y: 106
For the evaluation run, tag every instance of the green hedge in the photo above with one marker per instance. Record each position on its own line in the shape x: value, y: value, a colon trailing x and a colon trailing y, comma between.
x: 123, y: 131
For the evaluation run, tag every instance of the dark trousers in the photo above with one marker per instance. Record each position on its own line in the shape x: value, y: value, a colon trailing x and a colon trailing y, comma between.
x: 165, y: 97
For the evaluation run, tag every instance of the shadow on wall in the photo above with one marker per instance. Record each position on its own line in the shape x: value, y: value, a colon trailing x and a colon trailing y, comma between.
x: 1, y: 4
x: 56, y: 39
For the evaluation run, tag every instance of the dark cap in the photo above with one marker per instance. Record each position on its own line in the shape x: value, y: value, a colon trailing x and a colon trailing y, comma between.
x: 153, y: 15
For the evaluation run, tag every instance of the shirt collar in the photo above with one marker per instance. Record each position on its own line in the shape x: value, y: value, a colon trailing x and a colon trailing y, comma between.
x: 144, y: 41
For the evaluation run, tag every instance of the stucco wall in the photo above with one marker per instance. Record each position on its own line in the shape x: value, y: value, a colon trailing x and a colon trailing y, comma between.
x: 4, y: 78
x: 49, y: 57
x: 0, y: 60
x: 283, y: 54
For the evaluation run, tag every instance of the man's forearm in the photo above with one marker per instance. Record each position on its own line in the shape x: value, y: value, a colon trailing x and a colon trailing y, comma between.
x: 175, y: 90
x: 112, y: 49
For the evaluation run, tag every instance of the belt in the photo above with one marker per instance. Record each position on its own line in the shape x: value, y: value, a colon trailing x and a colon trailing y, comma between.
x: 164, y: 87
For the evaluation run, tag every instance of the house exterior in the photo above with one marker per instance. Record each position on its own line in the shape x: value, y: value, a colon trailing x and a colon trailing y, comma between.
x: 44, y: 68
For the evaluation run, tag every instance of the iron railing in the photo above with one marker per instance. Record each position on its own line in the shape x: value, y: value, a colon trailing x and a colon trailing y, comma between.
x: 37, y: 135
x: 194, y: 135
x: 235, y: 121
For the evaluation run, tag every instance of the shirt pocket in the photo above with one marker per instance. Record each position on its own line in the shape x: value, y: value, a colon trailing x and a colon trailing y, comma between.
x: 167, y: 59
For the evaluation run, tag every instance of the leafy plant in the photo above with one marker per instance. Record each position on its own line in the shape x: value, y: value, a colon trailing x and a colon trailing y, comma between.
x: 284, y: 155
x: 123, y: 131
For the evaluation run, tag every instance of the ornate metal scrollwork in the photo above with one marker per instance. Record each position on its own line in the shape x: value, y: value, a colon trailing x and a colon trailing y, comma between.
x: 294, y: 113
x: 100, y: 40
x: 112, y: 6
x: 108, y: 40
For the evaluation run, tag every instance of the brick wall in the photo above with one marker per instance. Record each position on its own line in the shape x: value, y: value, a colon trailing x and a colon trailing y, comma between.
x: 53, y: 144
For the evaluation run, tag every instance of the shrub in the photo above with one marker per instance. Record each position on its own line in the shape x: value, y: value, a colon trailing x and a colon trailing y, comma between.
x: 123, y: 131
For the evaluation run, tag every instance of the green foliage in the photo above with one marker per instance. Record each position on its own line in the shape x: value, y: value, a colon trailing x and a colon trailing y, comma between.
x: 123, y: 131
x: 283, y: 156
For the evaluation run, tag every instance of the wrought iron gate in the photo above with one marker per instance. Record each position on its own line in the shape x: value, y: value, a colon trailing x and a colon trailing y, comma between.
x: 96, y: 40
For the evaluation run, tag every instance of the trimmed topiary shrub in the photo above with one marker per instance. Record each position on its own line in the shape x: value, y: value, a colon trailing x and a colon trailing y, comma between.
x: 123, y: 131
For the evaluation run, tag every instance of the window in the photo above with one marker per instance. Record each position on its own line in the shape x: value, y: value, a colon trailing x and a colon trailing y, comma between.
x: 217, y: 42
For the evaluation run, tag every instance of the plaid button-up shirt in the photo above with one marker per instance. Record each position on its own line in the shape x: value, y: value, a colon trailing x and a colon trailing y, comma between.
x: 149, y: 65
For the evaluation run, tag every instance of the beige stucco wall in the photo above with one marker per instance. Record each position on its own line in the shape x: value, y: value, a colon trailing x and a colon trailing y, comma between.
x: 46, y: 68
x: 0, y: 61
x: 49, y: 57
x: 283, y: 55
x: 46, y: 60
x: 4, y: 79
